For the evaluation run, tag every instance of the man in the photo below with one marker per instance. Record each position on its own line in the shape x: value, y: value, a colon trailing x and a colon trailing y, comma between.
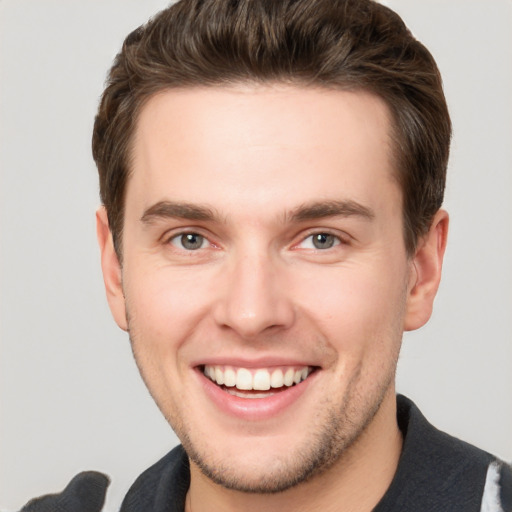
x: 272, y: 175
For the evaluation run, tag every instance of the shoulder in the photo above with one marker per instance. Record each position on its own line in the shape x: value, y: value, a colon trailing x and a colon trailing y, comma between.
x: 497, y: 495
x: 437, y: 471
x: 164, y: 483
x: 434, y: 447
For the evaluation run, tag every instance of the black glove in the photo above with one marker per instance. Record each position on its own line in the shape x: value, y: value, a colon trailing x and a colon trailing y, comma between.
x: 85, y: 493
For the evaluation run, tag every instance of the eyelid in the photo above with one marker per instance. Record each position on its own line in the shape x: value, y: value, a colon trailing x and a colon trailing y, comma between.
x: 342, y: 237
x: 182, y: 230
x: 177, y: 241
x: 174, y: 233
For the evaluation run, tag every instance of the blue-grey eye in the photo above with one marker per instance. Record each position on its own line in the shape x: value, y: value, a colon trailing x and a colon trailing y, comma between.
x: 189, y: 241
x: 324, y: 240
x: 320, y: 241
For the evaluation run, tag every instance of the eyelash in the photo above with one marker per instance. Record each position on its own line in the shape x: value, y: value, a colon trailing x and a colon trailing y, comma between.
x: 177, y: 239
x: 335, y: 240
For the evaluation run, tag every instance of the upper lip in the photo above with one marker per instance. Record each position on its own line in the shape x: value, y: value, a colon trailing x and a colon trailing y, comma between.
x: 260, y: 362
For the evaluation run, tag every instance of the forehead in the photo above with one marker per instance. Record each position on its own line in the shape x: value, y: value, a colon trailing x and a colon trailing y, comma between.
x: 284, y: 140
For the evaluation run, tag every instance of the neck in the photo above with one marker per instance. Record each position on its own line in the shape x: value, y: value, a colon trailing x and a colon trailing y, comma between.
x: 355, y: 482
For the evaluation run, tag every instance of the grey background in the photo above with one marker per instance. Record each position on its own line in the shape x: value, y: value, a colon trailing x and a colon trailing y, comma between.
x: 70, y: 396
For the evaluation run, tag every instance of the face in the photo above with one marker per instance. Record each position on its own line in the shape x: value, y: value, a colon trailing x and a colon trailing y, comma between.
x: 265, y: 283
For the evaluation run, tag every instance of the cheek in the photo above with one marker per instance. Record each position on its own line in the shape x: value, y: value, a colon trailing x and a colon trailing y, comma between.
x: 354, y: 307
x: 162, y: 313
x: 164, y: 303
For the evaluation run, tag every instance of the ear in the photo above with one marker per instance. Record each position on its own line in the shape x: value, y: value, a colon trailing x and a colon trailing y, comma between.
x: 112, y: 275
x: 426, y: 273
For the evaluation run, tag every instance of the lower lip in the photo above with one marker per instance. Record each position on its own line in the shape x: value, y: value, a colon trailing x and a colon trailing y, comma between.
x: 254, y: 409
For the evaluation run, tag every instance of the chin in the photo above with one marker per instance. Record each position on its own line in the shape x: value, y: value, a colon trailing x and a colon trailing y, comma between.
x: 262, y: 465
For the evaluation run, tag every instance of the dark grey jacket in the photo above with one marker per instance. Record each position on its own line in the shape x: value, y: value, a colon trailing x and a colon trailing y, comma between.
x: 436, y: 473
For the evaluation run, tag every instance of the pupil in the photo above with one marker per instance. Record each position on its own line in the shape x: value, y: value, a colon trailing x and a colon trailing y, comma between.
x: 192, y: 241
x: 323, y: 241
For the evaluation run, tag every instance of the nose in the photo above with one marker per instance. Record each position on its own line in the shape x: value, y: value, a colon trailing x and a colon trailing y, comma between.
x: 253, y: 297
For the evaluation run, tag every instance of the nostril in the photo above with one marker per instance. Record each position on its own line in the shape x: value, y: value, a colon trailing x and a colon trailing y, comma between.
x: 252, y: 300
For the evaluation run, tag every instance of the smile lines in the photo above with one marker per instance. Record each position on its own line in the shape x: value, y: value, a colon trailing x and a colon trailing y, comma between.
x: 260, y: 379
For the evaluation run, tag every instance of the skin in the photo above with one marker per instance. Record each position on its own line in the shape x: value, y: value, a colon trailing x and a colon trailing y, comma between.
x: 260, y: 169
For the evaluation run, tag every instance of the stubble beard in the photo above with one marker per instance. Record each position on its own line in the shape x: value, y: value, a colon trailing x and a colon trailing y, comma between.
x: 330, y: 443
x: 320, y: 451
x: 341, y: 429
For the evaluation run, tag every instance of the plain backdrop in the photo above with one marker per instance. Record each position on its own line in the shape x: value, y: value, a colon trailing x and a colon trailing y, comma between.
x: 70, y: 395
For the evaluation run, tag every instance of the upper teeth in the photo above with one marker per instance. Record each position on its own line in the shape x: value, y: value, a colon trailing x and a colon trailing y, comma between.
x: 260, y: 379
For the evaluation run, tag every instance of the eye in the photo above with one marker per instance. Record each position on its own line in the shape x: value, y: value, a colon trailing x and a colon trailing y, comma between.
x: 189, y: 241
x: 320, y: 241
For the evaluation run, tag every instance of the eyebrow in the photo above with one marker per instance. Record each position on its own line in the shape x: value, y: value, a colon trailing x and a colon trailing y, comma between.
x: 322, y: 209
x: 177, y: 210
x: 305, y: 212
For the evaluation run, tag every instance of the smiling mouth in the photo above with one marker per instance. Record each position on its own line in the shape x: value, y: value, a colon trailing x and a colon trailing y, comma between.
x: 256, y: 382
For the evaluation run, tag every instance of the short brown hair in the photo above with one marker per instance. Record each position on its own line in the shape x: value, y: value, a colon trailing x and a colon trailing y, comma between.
x: 343, y: 44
